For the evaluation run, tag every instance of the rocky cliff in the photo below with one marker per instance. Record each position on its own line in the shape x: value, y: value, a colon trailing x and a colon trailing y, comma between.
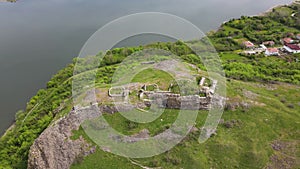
x: 54, y: 149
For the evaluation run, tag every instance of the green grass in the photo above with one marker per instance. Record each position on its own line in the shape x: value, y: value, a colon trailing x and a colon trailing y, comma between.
x: 105, y: 160
x: 229, y: 56
x: 154, y: 76
x: 125, y: 126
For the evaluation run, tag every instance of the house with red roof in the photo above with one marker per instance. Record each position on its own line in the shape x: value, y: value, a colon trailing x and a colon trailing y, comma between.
x: 272, y: 52
x: 269, y: 43
x: 248, y: 44
x: 287, y: 40
x: 292, y: 48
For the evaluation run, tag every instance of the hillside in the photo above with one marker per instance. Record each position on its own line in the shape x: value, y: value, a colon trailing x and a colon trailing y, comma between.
x: 259, y: 128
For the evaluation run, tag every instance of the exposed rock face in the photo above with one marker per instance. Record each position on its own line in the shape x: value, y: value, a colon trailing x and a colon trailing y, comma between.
x: 54, y: 149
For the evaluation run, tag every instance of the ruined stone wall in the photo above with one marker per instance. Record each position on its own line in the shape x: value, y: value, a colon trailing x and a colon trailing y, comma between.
x: 175, y: 101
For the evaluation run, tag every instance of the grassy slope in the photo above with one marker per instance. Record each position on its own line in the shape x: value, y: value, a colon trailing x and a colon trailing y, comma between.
x: 152, y: 76
x: 246, y: 145
x: 274, y: 25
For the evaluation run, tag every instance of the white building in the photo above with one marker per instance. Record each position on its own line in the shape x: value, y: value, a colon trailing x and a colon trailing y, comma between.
x: 272, y: 52
x: 292, y: 48
x: 263, y: 47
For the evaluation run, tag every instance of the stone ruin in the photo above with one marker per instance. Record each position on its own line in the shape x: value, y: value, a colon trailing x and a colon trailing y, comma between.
x: 167, y: 99
x: 176, y: 101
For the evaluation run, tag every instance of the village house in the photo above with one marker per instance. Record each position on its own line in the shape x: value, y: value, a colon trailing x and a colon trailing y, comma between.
x: 248, y: 44
x: 263, y: 47
x: 269, y: 43
x: 250, y: 52
x: 272, y: 52
x: 292, y: 48
x: 287, y: 40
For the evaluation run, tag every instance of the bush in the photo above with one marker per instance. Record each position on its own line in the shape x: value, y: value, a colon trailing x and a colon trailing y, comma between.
x: 291, y: 106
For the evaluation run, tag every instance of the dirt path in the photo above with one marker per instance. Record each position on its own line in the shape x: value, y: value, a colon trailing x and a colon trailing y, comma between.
x: 140, y: 165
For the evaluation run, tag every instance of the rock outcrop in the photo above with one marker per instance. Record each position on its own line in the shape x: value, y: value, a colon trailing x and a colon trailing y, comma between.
x: 54, y: 149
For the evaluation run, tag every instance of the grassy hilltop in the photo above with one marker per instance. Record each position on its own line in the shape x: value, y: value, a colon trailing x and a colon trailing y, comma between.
x: 260, y: 126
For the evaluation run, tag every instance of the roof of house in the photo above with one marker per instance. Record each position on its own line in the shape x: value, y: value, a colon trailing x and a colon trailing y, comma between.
x: 288, y: 40
x: 293, y: 46
x: 273, y: 50
x: 269, y: 43
x: 248, y: 44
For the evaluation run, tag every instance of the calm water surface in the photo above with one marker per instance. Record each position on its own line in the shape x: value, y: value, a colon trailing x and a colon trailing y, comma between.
x: 37, y: 38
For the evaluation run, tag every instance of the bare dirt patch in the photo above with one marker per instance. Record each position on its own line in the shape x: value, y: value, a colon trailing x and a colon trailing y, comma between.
x: 285, y: 156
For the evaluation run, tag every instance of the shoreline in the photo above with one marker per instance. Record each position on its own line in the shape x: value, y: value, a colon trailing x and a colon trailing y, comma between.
x: 8, y: 129
x: 259, y: 14
x: 270, y: 10
x: 8, y: 1
x: 11, y: 1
